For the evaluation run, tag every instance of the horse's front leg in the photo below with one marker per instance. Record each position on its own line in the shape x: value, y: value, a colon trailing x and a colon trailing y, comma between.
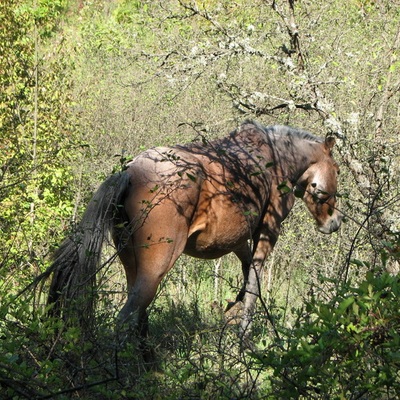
x: 263, y: 246
x: 252, y: 292
x: 244, y: 254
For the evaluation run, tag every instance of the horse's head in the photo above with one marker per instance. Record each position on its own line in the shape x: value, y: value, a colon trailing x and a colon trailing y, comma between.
x: 318, y: 186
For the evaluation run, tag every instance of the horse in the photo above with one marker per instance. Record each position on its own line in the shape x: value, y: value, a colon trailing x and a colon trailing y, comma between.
x: 204, y: 199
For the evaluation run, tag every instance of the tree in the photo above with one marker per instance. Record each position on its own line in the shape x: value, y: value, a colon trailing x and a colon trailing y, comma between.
x: 37, y: 139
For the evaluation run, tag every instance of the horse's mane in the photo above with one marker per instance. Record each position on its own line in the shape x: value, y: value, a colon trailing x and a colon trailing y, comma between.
x: 281, y: 130
x: 244, y: 131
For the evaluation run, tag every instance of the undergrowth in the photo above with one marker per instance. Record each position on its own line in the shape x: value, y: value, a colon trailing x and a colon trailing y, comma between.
x: 344, y: 347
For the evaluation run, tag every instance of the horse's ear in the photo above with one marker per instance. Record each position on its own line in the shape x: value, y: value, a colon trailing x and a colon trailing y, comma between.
x: 330, y: 142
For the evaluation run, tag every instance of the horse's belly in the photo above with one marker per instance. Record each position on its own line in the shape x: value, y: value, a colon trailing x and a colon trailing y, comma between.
x: 207, y: 252
x: 221, y: 224
x: 211, y: 243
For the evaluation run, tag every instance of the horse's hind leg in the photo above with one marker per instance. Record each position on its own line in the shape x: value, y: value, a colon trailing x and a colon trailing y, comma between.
x: 127, y: 257
x: 145, y: 265
x: 151, y: 253
x: 151, y: 267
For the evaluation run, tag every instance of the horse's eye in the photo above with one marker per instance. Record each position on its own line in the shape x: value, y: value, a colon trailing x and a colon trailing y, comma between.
x: 320, y: 200
x: 314, y: 185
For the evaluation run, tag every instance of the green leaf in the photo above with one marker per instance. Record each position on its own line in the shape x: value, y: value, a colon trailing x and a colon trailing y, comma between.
x: 249, y: 212
x: 344, y: 305
x: 299, y: 193
x: 191, y: 177
x: 284, y: 188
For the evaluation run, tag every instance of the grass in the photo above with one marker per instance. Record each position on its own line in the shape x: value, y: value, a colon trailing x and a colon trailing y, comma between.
x: 196, y: 353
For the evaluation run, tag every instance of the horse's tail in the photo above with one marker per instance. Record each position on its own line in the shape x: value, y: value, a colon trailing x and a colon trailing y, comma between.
x: 75, y: 263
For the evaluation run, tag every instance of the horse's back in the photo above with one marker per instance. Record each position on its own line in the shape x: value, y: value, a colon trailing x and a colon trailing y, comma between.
x: 164, y: 188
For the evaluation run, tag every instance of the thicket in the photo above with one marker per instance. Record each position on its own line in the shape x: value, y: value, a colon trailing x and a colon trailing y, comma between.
x: 86, y: 85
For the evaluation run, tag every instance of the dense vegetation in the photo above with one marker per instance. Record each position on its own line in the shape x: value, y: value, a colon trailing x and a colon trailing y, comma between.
x: 84, y: 85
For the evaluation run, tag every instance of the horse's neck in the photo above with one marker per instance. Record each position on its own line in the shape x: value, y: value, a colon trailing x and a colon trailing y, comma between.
x: 298, y: 155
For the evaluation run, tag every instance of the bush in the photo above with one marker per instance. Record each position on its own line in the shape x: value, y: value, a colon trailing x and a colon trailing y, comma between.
x: 345, y: 348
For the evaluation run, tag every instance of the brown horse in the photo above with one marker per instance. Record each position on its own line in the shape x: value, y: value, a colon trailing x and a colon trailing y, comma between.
x: 205, y: 200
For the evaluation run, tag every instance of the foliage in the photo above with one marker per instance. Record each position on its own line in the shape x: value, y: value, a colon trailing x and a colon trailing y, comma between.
x: 345, y: 348
x: 37, y: 140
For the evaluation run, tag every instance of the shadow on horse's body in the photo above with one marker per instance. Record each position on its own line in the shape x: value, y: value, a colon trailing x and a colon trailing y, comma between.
x: 205, y: 200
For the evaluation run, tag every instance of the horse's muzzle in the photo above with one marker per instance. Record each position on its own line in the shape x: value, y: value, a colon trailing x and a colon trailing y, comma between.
x: 332, y: 225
